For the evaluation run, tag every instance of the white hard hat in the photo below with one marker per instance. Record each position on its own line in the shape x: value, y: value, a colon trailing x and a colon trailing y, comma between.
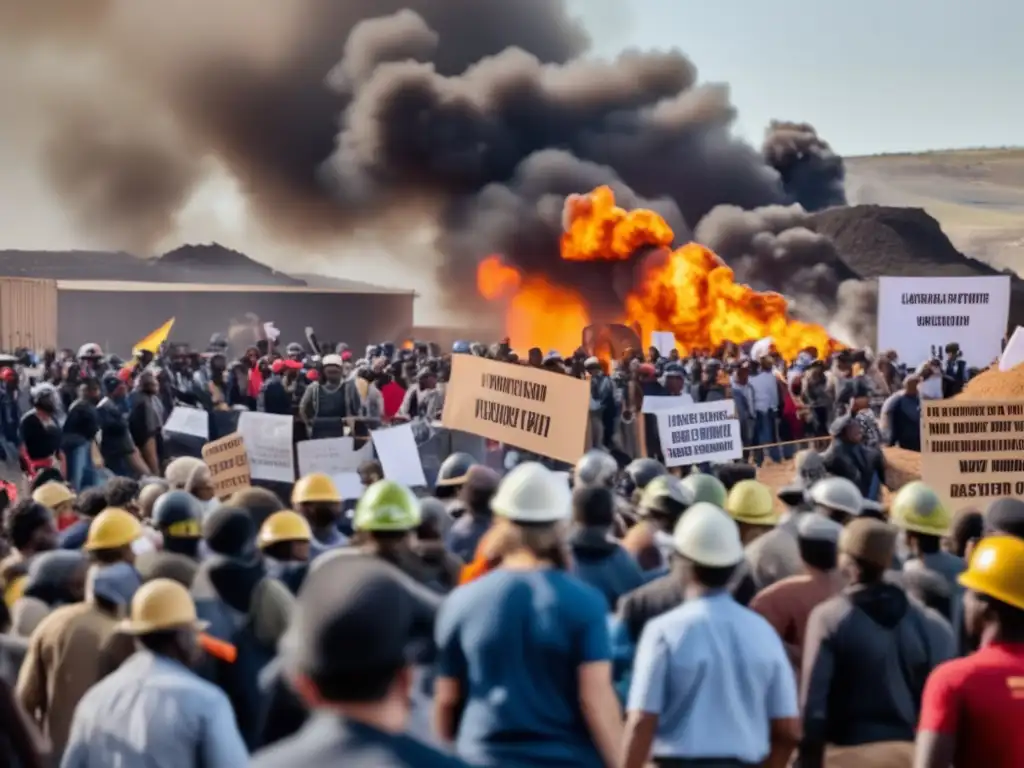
x: 837, y: 493
x: 332, y: 360
x: 532, y: 493
x: 706, y: 535
x: 595, y: 467
x: 90, y: 350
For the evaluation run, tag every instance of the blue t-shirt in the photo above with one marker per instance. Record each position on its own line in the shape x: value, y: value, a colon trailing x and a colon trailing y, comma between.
x: 515, y: 641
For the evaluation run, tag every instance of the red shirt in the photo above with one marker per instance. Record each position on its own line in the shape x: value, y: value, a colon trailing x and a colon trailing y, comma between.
x: 393, y: 395
x: 980, y: 698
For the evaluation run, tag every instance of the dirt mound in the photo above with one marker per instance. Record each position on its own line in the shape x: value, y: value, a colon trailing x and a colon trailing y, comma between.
x: 993, y: 384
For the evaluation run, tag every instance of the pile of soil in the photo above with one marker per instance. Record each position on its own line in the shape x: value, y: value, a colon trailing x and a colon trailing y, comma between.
x: 876, y: 240
x: 993, y: 384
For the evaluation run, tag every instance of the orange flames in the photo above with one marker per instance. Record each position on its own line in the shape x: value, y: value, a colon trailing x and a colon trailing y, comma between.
x: 688, y: 291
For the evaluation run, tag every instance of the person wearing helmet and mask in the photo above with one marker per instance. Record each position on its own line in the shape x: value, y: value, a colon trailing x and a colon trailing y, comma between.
x: 464, y: 537
x: 177, y: 516
x: 971, y: 708
x: 867, y: 654
x: 180, y: 717
x: 663, y: 501
x: 328, y: 399
x: 597, y: 558
x: 451, y: 477
x: 75, y: 643
x: 284, y: 539
x: 923, y: 517
x: 316, y: 498
x: 535, y: 633
x: 732, y: 701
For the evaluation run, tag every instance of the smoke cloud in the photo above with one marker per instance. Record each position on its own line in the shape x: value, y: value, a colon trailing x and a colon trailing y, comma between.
x: 484, y: 113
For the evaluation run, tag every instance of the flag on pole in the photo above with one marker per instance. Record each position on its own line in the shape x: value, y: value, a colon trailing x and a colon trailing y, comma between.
x: 152, y: 342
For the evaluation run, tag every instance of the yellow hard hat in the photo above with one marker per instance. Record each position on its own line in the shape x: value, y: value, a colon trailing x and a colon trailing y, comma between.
x: 52, y: 495
x: 995, y: 569
x: 751, y: 502
x: 315, y: 487
x: 14, y: 590
x: 159, y: 605
x: 112, y: 528
x: 284, y: 526
x: 918, y: 508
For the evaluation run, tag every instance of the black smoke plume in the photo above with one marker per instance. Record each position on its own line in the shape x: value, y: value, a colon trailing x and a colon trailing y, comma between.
x: 484, y: 113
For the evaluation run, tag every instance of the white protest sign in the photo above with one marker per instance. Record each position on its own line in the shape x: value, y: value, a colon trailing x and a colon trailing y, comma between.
x: 268, y: 440
x: 657, y: 403
x: 332, y: 455
x: 188, y: 421
x: 399, y: 457
x: 664, y: 342
x: 349, y: 484
x: 271, y: 331
x: 917, y: 315
x: 1013, y: 355
x: 698, y: 433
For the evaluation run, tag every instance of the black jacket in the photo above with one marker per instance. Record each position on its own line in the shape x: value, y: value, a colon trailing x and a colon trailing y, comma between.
x: 856, y: 463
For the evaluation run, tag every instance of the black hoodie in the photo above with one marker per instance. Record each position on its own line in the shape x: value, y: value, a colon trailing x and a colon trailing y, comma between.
x: 602, y: 563
x: 867, y: 654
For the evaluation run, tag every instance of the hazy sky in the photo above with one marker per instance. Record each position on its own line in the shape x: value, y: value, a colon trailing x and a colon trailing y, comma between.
x: 872, y: 76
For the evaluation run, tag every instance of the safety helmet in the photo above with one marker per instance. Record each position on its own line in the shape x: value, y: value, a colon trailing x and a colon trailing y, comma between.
x: 641, y: 471
x: 751, y: 502
x: 42, y: 391
x: 90, y: 351
x: 454, y: 469
x: 705, y: 487
x: 14, y: 590
x: 52, y: 494
x: 595, y: 467
x: 112, y: 528
x: 284, y: 526
x: 333, y: 360
x: 837, y: 493
x: 315, y: 487
x: 178, y: 513
x: 918, y: 508
x: 707, y: 536
x: 532, y: 493
x: 387, y: 506
x: 994, y: 570
x: 665, y: 494
x: 160, y: 605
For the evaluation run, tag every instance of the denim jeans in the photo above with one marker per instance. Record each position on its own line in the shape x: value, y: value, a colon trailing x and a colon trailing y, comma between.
x: 81, y: 471
x: 765, y: 432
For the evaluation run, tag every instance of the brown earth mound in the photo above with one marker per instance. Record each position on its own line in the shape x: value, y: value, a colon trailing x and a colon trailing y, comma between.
x: 993, y: 384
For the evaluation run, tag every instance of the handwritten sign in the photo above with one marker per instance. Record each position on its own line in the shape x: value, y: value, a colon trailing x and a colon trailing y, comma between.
x: 973, y: 452
x: 524, y: 407
x: 700, y: 432
x: 268, y: 438
x: 228, y: 461
x: 331, y: 455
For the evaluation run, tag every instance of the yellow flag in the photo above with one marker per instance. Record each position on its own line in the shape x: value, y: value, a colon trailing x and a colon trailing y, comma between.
x: 152, y: 342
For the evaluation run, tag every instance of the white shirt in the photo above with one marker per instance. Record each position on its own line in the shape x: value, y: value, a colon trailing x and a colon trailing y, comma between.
x: 931, y: 388
x: 765, y: 388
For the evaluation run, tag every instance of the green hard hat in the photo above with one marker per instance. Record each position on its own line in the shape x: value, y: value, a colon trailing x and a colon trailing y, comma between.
x: 387, y: 506
x: 706, y: 487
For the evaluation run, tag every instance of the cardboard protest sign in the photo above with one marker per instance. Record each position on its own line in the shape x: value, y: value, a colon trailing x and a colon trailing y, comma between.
x: 268, y: 438
x: 188, y: 421
x: 973, y: 452
x: 523, y: 407
x: 700, y: 432
x: 228, y: 461
x: 916, y: 315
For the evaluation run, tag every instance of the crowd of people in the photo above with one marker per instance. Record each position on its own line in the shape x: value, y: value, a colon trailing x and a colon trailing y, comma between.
x: 630, y: 616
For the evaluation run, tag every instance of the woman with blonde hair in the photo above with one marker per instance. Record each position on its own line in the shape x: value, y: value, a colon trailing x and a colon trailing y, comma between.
x: 523, y: 651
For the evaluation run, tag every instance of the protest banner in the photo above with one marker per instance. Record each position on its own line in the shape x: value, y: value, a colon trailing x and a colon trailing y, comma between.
x: 656, y: 403
x: 664, y: 342
x: 399, y: 456
x: 918, y: 315
x: 700, y: 432
x: 331, y: 456
x: 268, y: 439
x: 188, y: 421
x: 973, y: 452
x: 527, y: 408
x: 228, y: 461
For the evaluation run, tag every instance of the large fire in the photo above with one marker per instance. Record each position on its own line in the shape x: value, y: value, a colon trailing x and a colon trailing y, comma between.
x: 688, y: 291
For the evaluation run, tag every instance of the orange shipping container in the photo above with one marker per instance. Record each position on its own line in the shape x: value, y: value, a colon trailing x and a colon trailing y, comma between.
x: 28, y: 313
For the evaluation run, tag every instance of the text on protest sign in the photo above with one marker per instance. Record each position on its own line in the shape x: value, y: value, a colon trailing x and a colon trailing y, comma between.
x: 528, y: 408
x: 917, y: 315
x: 331, y: 455
x: 268, y: 438
x: 973, y: 452
x: 700, y: 432
x: 228, y: 461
